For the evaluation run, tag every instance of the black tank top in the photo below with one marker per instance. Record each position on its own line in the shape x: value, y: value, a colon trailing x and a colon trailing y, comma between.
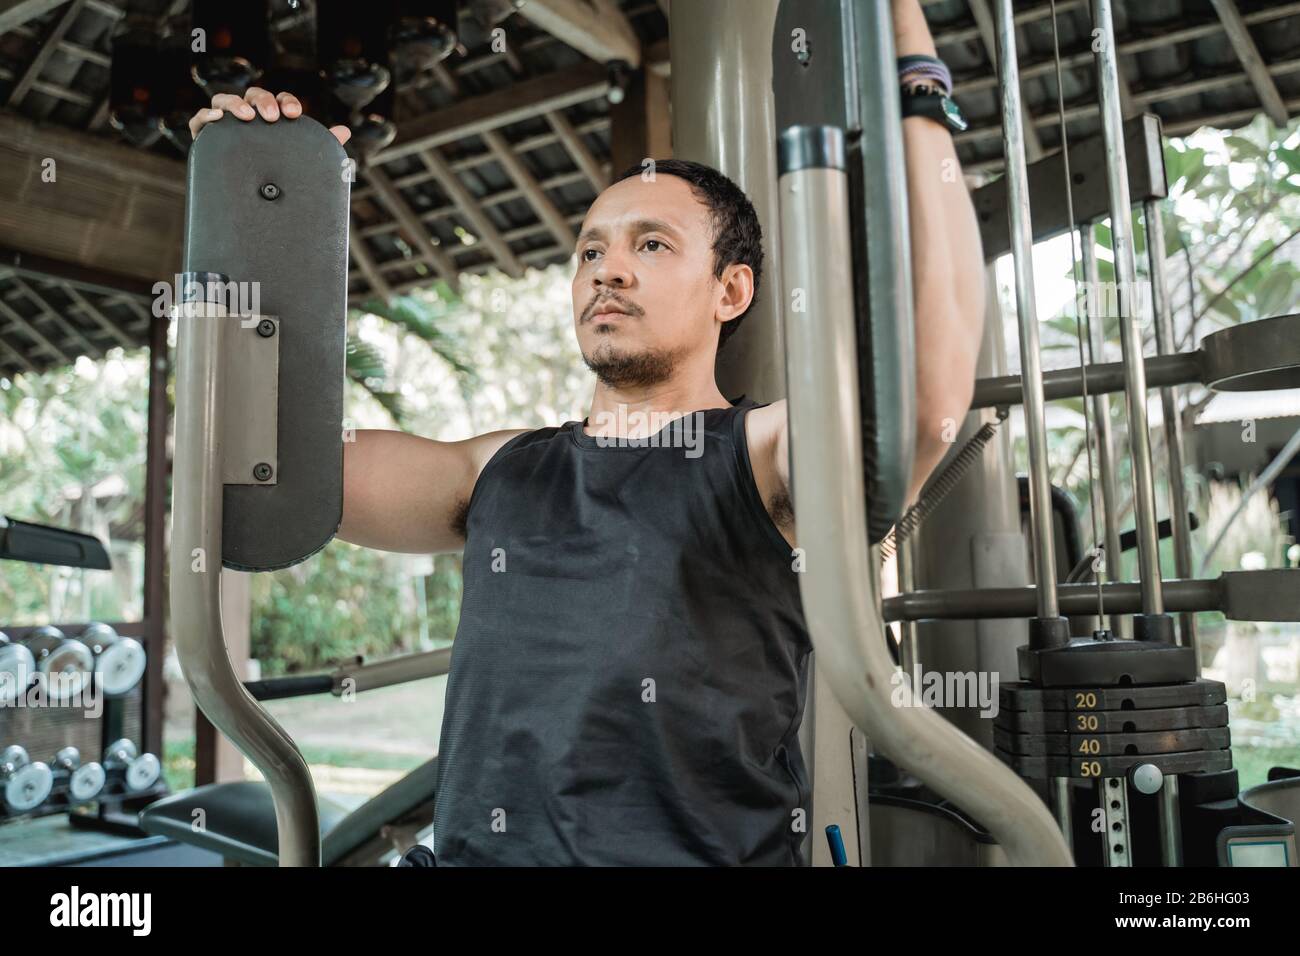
x: 631, y: 665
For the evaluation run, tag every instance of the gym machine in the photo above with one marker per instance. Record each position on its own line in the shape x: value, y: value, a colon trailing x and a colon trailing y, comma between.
x: 258, y: 472
x: 258, y: 482
x: 1125, y: 726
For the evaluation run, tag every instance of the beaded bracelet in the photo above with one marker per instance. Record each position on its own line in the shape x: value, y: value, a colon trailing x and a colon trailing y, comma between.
x: 917, y: 67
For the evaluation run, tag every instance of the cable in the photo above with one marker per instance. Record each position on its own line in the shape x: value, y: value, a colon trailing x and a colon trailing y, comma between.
x: 1083, y: 317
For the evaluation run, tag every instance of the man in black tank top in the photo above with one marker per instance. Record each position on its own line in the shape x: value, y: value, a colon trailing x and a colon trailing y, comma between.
x: 631, y: 666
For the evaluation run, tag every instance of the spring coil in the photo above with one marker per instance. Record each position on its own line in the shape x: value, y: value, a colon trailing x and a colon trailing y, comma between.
x: 948, y: 479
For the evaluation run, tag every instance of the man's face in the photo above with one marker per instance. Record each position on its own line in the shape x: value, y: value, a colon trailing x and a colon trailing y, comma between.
x: 645, y: 299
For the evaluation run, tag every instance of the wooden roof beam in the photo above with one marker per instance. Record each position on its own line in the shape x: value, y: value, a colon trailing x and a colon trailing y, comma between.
x: 48, y: 47
x: 469, y: 208
x: 507, y: 155
x: 68, y: 328
x: 1251, y: 61
x: 984, y: 22
x: 14, y: 13
x: 411, y: 223
x: 597, y: 29
x: 366, y: 262
x: 85, y: 306
x: 35, y: 333
x: 478, y: 114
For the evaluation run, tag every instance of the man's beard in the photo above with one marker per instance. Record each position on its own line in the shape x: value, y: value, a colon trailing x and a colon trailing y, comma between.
x: 617, y: 368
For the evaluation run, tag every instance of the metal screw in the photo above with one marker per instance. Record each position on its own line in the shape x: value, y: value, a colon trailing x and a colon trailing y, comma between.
x: 266, y: 328
x: 270, y: 191
x: 262, y: 471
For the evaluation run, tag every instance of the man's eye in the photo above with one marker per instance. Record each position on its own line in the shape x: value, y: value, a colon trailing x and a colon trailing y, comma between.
x: 656, y: 242
x: 586, y: 253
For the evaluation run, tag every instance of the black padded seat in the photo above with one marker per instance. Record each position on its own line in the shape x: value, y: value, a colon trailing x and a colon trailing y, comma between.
x: 240, y: 823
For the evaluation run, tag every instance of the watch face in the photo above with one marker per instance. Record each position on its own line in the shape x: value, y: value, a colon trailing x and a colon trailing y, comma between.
x: 951, y: 111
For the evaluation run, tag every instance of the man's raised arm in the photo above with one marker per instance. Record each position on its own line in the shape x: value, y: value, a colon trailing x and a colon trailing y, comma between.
x: 947, y: 266
x: 405, y: 493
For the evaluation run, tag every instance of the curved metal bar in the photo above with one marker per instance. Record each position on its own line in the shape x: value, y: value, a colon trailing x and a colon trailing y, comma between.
x: 843, y: 617
x: 195, y: 566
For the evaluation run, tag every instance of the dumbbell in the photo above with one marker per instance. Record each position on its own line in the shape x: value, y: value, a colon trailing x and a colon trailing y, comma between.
x: 85, y: 780
x: 140, y: 771
x: 119, y: 661
x: 65, y: 663
x: 26, y: 783
x: 16, y: 667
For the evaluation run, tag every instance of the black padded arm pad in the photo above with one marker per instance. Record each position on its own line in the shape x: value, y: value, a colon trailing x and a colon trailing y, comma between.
x: 295, y: 247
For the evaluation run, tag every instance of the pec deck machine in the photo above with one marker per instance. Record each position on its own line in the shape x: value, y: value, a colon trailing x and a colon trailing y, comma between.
x: 1102, y: 714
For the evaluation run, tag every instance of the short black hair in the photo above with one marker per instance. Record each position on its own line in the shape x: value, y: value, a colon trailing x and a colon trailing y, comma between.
x: 737, y: 235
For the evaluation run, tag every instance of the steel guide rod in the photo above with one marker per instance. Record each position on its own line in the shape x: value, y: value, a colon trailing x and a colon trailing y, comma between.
x: 1135, y: 390
x: 1013, y: 143
x: 1173, y: 423
x: 1119, y: 624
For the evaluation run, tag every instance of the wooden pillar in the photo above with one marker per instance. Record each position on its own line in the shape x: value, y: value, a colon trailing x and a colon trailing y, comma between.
x: 641, y: 125
x: 155, y: 556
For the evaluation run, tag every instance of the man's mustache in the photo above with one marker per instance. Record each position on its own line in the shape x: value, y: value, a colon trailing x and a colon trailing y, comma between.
x: 597, y: 305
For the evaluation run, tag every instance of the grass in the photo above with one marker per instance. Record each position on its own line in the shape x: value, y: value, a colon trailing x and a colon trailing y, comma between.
x: 178, y: 761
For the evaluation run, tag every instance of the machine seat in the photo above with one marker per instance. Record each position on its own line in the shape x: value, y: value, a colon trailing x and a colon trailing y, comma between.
x: 239, y: 817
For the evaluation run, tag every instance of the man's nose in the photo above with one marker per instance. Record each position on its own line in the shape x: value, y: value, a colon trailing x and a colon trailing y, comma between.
x: 613, y: 271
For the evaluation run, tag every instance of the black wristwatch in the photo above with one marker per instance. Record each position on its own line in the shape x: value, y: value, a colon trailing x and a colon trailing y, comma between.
x: 933, y: 104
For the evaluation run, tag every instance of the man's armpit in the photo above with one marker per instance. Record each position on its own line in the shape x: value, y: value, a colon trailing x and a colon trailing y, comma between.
x: 781, y: 508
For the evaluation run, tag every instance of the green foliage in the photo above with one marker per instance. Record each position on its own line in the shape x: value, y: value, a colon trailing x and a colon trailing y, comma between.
x: 72, y: 454
x: 337, y: 604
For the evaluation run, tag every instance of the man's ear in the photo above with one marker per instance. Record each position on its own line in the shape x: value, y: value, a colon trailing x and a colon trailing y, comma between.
x: 737, y: 290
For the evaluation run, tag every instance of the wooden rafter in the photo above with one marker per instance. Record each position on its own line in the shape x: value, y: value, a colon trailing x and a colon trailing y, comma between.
x: 47, y: 49
x: 598, y: 29
x: 1243, y: 44
x: 392, y: 198
x: 52, y: 313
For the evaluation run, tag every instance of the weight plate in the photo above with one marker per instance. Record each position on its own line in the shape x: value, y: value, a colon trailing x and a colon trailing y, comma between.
x: 16, y: 668
x: 66, y: 668
x: 1090, y: 768
x: 121, y: 666
x: 1112, y: 721
x: 1021, y: 696
x: 86, y: 782
x: 143, y: 772
x: 1107, y: 745
x: 28, y: 788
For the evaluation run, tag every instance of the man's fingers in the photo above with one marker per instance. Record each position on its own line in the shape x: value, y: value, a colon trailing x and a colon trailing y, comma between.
x: 232, y: 103
x: 289, y: 105
x: 201, y: 119
x: 264, y: 102
x: 341, y: 133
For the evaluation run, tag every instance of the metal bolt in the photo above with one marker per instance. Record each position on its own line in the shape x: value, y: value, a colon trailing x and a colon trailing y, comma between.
x: 270, y: 191
x: 262, y: 471
x: 266, y: 328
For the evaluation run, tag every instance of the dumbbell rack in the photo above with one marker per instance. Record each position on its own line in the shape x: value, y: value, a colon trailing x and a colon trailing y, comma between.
x: 114, y: 808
